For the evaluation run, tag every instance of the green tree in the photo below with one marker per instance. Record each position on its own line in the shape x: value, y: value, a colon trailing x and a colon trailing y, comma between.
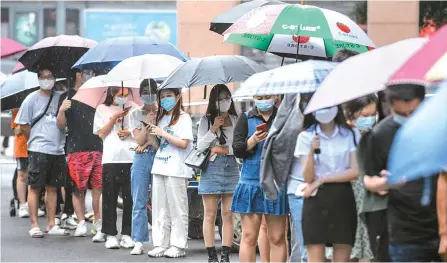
x: 360, y: 12
x: 434, y: 10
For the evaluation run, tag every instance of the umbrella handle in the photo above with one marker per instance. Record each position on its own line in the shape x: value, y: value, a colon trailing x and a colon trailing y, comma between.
x: 297, y: 49
x: 122, y: 91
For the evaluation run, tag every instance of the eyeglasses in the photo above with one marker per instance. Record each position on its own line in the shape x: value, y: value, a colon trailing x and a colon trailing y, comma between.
x: 46, y: 77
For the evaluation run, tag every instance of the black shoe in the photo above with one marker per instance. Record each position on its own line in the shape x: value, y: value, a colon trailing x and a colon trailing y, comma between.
x: 225, y: 254
x: 212, y: 255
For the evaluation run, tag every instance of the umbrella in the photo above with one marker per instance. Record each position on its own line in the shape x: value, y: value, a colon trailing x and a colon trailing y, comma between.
x: 56, y: 54
x: 415, y: 69
x: 19, y: 67
x: 113, y: 50
x: 16, y: 87
x: 300, y: 77
x: 93, y: 92
x: 363, y: 74
x: 10, y: 47
x: 155, y: 66
x: 258, y: 28
x: 223, y: 21
x: 3, y: 76
x: 212, y: 70
x: 419, y: 148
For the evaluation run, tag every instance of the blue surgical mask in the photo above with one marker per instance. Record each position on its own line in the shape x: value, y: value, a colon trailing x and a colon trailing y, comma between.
x: 149, y: 99
x: 168, y: 103
x: 399, y: 118
x: 120, y: 100
x: 86, y: 77
x: 264, y: 105
x: 365, y: 123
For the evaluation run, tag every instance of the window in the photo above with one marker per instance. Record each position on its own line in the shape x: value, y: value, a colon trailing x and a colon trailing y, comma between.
x: 72, y: 22
x: 49, y: 22
x: 25, y: 28
x: 5, y: 22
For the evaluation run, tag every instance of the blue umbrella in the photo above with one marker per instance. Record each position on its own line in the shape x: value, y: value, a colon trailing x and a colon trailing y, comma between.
x: 420, y: 147
x: 110, y: 52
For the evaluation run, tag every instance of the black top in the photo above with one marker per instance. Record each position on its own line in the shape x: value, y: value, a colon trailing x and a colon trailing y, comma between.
x: 408, y: 220
x: 241, y: 137
x: 80, y: 118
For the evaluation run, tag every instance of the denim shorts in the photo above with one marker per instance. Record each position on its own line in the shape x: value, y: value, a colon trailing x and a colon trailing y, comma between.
x: 221, y: 176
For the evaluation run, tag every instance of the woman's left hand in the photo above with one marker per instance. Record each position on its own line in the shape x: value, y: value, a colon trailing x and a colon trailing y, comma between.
x: 123, y: 134
x: 157, y: 131
x: 310, y: 188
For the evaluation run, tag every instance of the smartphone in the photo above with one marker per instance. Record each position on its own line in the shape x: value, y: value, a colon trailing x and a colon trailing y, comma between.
x: 128, y: 108
x: 145, y: 124
x: 262, y: 127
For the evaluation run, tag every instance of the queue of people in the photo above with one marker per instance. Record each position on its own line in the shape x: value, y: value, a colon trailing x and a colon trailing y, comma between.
x: 336, y: 193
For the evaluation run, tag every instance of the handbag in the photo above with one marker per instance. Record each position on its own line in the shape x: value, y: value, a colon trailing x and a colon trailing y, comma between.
x: 197, y: 159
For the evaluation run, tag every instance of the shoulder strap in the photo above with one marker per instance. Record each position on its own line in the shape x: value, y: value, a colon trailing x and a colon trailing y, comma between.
x: 44, y: 112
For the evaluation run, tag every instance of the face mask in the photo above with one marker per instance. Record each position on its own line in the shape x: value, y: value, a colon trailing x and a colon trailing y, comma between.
x: 224, y: 105
x: 168, y: 103
x: 46, y: 84
x: 119, y: 100
x: 365, y: 123
x: 326, y: 115
x: 86, y: 77
x: 264, y: 105
x: 399, y: 118
x: 149, y: 99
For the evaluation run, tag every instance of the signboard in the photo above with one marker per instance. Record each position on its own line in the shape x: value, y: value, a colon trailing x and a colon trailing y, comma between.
x: 26, y: 28
x: 102, y: 24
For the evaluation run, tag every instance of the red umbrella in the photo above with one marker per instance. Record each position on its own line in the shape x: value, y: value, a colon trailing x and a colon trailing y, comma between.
x: 10, y: 47
x: 57, y: 54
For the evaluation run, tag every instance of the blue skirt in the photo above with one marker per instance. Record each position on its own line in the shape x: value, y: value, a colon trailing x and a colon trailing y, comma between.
x: 220, y: 177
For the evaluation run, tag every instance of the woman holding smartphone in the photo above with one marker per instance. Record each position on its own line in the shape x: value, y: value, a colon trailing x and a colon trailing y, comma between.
x: 173, y: 127
x: 248, y: 200
x: 147, y: 145
x: 326, y: 150
x: 220, y: 178
x: 111, y: 124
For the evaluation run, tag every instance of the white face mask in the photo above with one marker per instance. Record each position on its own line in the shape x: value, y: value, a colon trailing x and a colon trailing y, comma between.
x: 224, y: 105
x: 46, y: 84
x: 326, y: 115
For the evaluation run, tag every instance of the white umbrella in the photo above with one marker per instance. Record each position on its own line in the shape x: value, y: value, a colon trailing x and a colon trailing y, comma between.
x: 3, y: 76
x: 363, y: 74
x: 154, y: 66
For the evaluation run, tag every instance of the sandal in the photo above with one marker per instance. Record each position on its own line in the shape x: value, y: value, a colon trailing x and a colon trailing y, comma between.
x: 35, y: 232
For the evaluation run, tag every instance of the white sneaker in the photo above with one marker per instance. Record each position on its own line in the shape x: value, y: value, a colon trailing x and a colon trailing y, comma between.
x: 127, y: 242
x: 57, y: 231
x: 97, y: 226
x: 99, y: 237
x: 81, y: 230
x: 69, y: 223
x: 112, y: 242
x: 40, y: 213
x: 157, y: 252
x: 57, y: 221
x: 175, y: 252
x: 23, y: 211
x: 137, y: 249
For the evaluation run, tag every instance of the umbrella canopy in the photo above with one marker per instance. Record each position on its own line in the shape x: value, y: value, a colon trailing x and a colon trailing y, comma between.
x: 154, y: 66
x: 16, y: 87
x: 113, y: 50
x: 19, y: 67
x: 93, y: 92
x: 3, y: 76
x: 56, y: 54
x: 419, y: 148
x: 300, y: 77
x: 223, y: 21
x: 363, y: 74
x: 10, y: 47
x: 416, y: 68
x: 212, y: 70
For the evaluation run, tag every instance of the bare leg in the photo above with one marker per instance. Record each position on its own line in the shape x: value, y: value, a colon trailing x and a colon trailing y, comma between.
x: 96, y: 203
x: 251, y: 224
x: 227, y: 220
x: 277, y: 237
x: 263, y: 242
x: 79, y: 205
x: 210, y: 207
x: 316, y: 253
x: 21, y: 185
x: 341, y: 253
x: 33, y: 205
x: 50, y: 203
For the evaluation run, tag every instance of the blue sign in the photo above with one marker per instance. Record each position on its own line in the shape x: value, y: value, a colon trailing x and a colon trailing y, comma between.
x: 102, y: 24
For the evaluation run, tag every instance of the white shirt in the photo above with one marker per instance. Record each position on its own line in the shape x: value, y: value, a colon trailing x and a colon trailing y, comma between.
x: 136, y: 116
x: 115, y: 150
x: 169, y: 160
x: 335, y: 150
x: 205, y: 137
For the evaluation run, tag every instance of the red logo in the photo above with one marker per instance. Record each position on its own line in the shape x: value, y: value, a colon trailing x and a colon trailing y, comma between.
x: 300, y: 39
x: 343, y: 27
x: 370, y: 48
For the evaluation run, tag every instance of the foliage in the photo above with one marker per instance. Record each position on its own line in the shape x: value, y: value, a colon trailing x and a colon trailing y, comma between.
x: 360, y: 12
x: 434, y: 10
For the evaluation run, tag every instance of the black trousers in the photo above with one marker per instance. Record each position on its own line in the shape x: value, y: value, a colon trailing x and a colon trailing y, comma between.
x: 377, y: 225
x: 5, y: 143
x: 116, y: 177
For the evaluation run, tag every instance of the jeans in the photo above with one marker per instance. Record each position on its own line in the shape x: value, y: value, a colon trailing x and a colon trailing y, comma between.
x: 423, y: 251
x: 299, y: 252
x: 140, y: 181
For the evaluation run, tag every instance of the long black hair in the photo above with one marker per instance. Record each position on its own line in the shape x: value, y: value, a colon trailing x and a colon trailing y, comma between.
x: 310, y: 123
x: 356, y: 105
x: 111, y: 92
x: 177, y: 109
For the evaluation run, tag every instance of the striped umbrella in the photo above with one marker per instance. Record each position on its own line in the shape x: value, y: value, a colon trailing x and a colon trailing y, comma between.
x: 303, y: 77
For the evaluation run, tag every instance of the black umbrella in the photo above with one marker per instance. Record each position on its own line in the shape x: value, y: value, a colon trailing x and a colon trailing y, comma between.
x: 223, y: 21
